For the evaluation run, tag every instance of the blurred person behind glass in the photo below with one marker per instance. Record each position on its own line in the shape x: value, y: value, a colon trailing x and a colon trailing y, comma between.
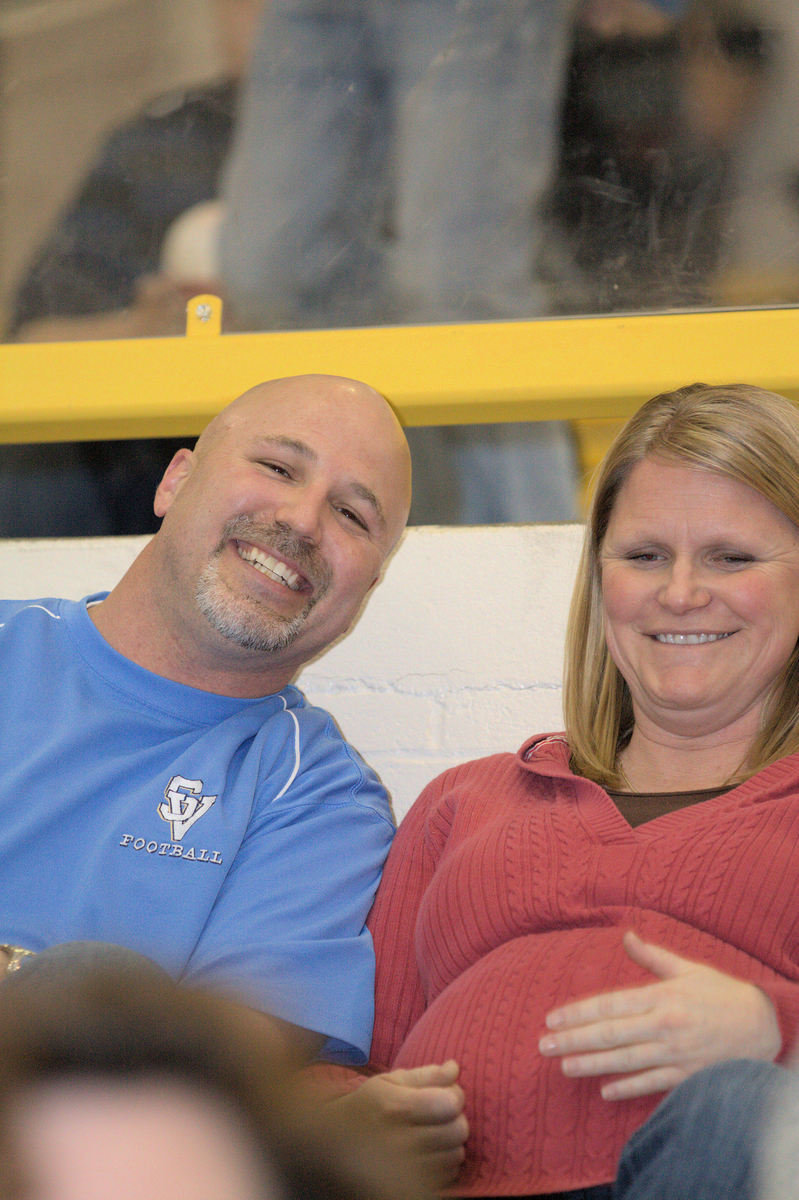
x: 102, y: 273
x: 741, y: 93
x: 99, y: 272
x: 633, y: 210
x: 388, y: 168
x: 385, y: 170
x: 677, y: 148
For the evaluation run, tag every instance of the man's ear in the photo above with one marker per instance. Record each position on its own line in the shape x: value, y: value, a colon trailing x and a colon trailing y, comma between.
x: 172, y: 481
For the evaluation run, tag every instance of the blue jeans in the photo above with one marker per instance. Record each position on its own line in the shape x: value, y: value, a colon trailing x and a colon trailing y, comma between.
x: 388, y: 161
x: 704, y: 1140
x: 388, y: 164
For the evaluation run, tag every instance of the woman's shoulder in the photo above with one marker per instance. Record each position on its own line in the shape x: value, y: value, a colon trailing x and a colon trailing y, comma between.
x: 496, y: 774
x: 542, y: 753
x: 479, y: 771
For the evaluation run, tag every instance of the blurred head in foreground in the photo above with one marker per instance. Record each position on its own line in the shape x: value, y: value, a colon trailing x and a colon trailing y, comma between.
x: 135, y: 1086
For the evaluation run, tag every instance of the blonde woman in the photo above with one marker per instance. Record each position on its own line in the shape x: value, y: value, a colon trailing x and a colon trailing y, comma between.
x: 586, y: 923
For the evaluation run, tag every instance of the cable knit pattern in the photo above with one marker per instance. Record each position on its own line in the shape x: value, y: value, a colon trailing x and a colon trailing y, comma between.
x: 507, y: 891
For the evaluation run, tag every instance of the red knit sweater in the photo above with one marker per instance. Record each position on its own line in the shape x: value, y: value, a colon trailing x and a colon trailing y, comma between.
x: 506, y: 893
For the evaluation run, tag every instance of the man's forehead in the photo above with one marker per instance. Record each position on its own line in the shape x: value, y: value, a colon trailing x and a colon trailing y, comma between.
x: 283, y: 441
x: 311, y: 395
x: 311, y: 408
x: 322, y: 415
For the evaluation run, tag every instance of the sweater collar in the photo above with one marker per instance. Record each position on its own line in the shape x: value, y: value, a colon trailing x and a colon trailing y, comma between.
x: 546, y: 754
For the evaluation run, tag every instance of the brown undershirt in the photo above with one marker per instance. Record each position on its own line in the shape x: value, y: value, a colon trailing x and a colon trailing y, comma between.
x: 639, y: 807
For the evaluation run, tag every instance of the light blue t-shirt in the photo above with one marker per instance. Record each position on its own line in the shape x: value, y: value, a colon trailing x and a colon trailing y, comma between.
x: 238, y: 843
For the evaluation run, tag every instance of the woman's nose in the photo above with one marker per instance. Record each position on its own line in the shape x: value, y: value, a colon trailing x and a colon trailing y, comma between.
x: 684, y: 589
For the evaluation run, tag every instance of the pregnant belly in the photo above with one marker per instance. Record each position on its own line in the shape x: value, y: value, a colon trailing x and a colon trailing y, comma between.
x: 532, y: 1129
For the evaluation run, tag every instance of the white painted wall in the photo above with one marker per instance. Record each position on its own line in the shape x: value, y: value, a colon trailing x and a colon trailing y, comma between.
x: 457, y: 654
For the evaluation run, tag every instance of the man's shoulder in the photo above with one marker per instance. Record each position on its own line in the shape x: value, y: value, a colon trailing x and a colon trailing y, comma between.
x: 49, y: 608
x: 316, y: 726
x: 326, y: 764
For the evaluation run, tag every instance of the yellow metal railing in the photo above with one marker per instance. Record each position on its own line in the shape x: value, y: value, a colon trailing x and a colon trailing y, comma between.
x: 580, y: 368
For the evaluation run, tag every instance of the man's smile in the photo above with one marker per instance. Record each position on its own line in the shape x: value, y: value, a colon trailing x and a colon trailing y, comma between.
x: 275, y: 568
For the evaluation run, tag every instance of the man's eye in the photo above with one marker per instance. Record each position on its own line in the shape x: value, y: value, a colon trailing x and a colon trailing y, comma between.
x: 353, y: 516
x: 275, y: 468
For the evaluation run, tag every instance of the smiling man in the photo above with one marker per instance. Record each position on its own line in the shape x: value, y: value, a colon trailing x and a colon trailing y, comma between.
x: 164, y: 787
x: 274, y: 530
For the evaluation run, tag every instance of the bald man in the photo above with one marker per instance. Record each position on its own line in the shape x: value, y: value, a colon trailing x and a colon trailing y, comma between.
x: 163, y: 786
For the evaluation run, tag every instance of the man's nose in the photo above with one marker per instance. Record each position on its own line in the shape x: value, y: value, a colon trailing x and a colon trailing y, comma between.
x: 301, y: 509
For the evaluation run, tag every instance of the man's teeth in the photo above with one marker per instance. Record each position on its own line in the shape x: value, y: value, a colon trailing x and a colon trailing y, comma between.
x: 273, y: 567
x: 689, y: 639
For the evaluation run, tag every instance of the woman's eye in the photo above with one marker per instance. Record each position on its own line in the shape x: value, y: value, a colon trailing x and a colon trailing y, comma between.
x: 735, y: 560
x: 644, y: 556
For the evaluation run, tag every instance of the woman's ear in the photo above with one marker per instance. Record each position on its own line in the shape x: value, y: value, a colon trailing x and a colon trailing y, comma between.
x: 172, y: 481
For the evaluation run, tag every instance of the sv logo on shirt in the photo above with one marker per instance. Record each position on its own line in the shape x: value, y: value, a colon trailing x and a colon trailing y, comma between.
x: 184, y: 804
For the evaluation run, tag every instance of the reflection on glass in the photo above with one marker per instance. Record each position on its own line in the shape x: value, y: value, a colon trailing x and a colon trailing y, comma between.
x: 114, y: 262
x: 678, y: 162
x: 417, y: 160
x: 394, y: 161
x: 100, y: 269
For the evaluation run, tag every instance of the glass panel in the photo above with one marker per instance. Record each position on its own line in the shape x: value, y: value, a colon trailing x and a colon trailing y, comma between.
x: 84, y: 198
x: 397, y: 161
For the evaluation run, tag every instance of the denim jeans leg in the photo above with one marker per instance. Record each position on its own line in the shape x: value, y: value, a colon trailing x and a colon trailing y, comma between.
x: 701, y: 1143
x: 387, y: 167
x: 475, y: 146
x: 478, y: 88
x: 301, y: 245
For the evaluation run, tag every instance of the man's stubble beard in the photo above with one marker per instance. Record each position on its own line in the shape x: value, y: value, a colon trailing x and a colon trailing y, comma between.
x: 244, y: 620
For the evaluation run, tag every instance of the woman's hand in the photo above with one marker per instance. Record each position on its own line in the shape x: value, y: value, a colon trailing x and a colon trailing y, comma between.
x: 658, y: 1034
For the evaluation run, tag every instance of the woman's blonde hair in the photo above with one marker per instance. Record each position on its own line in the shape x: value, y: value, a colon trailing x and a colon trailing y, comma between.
x: 736, y: 430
